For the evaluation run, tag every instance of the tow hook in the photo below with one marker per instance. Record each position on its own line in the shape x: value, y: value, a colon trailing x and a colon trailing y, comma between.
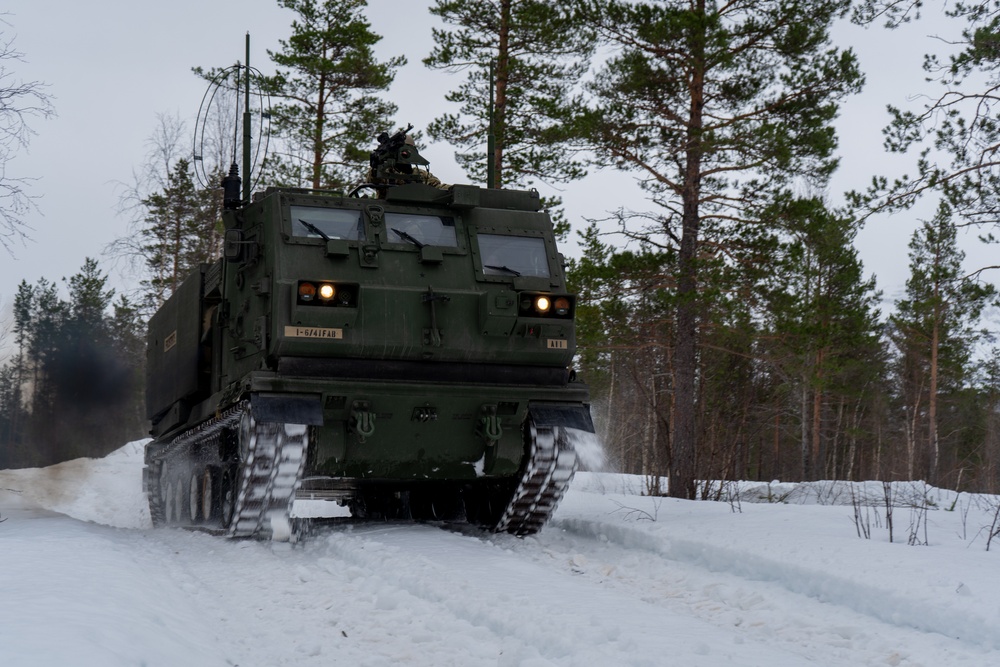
x: 362, y: 420
x: 489, y: 425
x: 490, y: 430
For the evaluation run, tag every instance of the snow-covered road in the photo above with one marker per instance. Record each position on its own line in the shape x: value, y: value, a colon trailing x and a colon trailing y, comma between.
x: 85, y: 582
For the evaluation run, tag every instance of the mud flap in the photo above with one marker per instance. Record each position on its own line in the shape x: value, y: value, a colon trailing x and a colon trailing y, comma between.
x: 287, y: 408
x: 573, y: 415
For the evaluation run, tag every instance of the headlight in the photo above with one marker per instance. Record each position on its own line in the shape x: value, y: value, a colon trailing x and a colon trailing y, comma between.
x: 325, y: 294
x: 555, y: 306
x: 307, y: 291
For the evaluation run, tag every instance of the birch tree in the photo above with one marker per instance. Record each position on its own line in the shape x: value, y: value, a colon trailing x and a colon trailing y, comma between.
x: 20, y: 102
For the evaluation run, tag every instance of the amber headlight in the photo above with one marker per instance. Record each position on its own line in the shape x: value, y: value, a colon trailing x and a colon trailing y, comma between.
x: 307, y: 291
x: 324, y: 294
x: 557, y: 306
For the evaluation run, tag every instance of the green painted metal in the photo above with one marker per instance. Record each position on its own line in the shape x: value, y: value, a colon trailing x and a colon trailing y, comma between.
x: 424, y: 364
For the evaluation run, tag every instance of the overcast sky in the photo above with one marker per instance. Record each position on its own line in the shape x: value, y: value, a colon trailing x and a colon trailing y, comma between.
x: 113, y: 65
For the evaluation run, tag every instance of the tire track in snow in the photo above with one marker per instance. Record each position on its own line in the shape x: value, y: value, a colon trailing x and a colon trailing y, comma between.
x: 521, y: 636
x: 825, y: 587
x: 274, y: 605
x: 536, y: 617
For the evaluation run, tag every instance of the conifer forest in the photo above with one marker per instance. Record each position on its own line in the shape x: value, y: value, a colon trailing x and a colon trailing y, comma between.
x: 725, y: 323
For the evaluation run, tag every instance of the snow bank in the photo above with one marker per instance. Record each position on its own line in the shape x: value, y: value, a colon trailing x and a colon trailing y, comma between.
x: 106, y: 491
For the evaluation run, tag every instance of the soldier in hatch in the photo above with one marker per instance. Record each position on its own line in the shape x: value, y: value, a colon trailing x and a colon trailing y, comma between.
x: 396, y: 161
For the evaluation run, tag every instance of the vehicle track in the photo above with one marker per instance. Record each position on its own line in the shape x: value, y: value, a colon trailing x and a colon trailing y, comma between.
x: 551, y: 598
x: 763, y: 598
x: 332, y: 586
x: 535, y: 614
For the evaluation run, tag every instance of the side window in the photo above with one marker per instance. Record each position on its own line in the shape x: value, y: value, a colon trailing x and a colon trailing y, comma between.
x: 421, y: 230
x: 329, y: 223
x: 504, y: 255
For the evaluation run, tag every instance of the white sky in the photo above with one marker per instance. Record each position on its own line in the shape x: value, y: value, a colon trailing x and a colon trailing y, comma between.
x: 113, y: 65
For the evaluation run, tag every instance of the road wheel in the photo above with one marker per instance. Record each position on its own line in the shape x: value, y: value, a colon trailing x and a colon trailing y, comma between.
x: 227, y: 497
x: 194, y: 497
x: 208, y: 501
x: 169, y: 499
x: 180, y: 499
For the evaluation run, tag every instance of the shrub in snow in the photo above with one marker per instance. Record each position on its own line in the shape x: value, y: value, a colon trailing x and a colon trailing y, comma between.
x: 995, y: 526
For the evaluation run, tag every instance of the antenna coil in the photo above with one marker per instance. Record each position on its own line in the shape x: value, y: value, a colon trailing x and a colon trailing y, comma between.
x: 221, y: 108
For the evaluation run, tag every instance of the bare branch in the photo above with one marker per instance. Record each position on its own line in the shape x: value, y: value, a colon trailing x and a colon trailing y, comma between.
x: 19, y: 102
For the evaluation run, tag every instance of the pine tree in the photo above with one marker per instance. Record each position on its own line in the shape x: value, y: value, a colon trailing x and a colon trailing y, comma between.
x: 79, y: 373
x: 180, y: 230
x: 11, y: 414
x: 984, y: 460
x: 956, y: 131
x: 934, y: 330
x: 624, y: 316
x: 327, y: 84
x: 15, y: 383
x: 44, y: 328
x: 127, y: 335
x: 23, y: 307
x: 539, y: 51
x: 73, y: 389
x: 717, y: 108
x: 89, y: 298
x: 824, y: 331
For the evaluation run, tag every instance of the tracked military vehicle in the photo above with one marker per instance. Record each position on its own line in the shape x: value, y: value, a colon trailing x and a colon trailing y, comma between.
x: 403, y: 351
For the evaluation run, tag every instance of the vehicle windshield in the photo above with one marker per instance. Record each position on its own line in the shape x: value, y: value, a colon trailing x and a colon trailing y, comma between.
x: 327, y: 223
x: 504, y: 255
x: 421, y: 230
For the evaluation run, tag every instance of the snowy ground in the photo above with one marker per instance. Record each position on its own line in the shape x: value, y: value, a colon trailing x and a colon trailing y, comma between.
x: 615, y: 579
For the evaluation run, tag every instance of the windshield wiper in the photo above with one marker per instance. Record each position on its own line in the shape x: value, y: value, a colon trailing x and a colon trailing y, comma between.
x: 314, y: 229
x: 507, y: 269
x: 407, y: 237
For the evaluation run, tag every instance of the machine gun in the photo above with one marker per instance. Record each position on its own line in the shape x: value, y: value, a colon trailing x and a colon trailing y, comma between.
x: 392, y: 163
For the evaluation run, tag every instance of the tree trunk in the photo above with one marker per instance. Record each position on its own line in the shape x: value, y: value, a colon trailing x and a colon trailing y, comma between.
x: 607, y: 437
x: 777, y: 470
x: 682, y: 470
x: 320, y: 123
x: 853, y: 440
x: 804, y: 450
x: 503, y: 76
x: 932, y: 399
x: 816, y: 453
x: 835, y: 469
x: 650, y: 469
x: 911, y: 434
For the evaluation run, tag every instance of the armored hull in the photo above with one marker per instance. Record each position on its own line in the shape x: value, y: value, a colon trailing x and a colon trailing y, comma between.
x: 405, y: 356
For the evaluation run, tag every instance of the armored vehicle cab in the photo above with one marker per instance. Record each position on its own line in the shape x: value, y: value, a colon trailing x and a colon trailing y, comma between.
x: 406, y: 355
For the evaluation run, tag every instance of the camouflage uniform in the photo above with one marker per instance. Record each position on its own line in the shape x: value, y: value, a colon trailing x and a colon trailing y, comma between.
x: 422, y: 176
